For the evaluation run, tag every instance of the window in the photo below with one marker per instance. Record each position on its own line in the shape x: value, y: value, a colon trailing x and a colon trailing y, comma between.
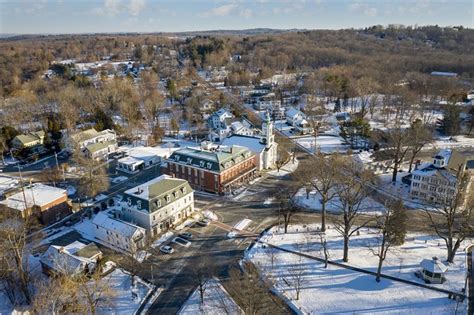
x: 432, y: 188
x: 139, y: 204
x: 175, y: 194
x: 416, y: 184
x: 189, y: 160
x: 168, y: 198
x: 129, y: 201
x: 201, y: 163
x: 176, y: 157
x: 158, y: 202
x: 209, y: 165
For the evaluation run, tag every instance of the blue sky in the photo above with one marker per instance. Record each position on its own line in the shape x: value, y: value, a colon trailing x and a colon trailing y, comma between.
x: 85, y: 16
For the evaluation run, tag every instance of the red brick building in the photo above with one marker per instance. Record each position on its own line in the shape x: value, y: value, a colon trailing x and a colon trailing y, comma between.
x: 49, y: 204
x: 212, y: 168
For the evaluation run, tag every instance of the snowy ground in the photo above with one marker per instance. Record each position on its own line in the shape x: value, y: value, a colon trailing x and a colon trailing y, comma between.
x: 123, y: 300
x: 368, y: 206
x: 286, y: 169
x: 325, y: 144
x: 216, y: 301
x: 338, y: 290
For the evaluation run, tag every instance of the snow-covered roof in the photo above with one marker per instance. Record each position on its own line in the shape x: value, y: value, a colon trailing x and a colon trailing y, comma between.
x: 252, y: 143
x: 293, y: 112
x: 106, y: 221
x: 149, y: 189
x: 130, y: 160
x: 7, y: 183
x: 35, y: 195
x: 69, y: 259
x: 433, y: 265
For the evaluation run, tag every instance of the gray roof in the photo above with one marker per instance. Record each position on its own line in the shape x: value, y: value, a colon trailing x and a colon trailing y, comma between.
x: 216, y: 160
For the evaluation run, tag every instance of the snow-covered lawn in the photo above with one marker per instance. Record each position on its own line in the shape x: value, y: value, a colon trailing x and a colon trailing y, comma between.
x: 286, y: 169
x: 216, y: 301
x: 368, y: 206
x: 326, y: 144
x: 338, y: 290
x: 126, y: 298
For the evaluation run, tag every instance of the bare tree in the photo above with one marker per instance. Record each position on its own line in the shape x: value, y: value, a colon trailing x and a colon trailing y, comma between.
x: 324, y: 248
x: 325, y: 173
x: 95, y: 291
x: 286, y: 204
x: 397, y: 143
x: 250, y: 291
x: 453, y: 220
x: 420, y: 136
x: 94, y: 178
x: 391, y: 227
x: 202, y: 272
x: 297, y: 276
x: 15, y: 249
x: 352, y: 191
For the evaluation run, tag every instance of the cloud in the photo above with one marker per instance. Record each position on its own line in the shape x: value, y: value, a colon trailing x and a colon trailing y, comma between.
x: 114, y: 7
x: 246, y: 13
x: 223, y: 10
x: 136, y: 6
x: 364, y: 8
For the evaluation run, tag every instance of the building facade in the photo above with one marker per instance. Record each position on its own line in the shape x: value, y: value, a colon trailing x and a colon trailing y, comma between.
x: 212, y: 168
x: 49, y: 204
x: 159, y: 204
x: 437, y: 182
x: 94, y: 144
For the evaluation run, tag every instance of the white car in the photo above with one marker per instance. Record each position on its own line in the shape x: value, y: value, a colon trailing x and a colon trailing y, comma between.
x: 181, y: 241
x: 167, y: 249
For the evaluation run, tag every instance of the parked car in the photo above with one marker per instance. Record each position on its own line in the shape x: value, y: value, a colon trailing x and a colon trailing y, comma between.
x: 181, y: 241
x: 204, y: 222
x: 186, y: 235
x: 167, y: 249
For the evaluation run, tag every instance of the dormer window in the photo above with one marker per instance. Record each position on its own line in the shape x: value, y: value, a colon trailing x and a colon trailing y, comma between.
x: 139, y: 204
x: 189, y: 160
x: 209, y: 165
x: 176, y: 157
x: 129, y: 201
x: 201, y: 163
x: 168, y: 198
x: 158, y: 203
x: 175, y: 194
x: 183, y: 190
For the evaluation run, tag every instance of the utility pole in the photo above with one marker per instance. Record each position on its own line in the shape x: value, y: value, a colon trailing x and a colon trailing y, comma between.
x: 56, y: 157
x: 22, y: 187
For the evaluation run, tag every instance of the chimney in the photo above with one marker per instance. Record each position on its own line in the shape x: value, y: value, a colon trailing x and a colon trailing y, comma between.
x: 435, y: 259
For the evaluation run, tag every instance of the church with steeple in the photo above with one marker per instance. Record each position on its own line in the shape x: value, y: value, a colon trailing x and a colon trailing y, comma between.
x: 263, y: 146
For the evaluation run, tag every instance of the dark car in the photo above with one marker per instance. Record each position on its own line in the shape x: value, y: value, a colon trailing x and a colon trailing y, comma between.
x: 186, y: 235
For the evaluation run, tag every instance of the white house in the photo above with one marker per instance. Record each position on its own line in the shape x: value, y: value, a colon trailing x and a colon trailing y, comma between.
x: 158, y: 204
x: 217, y: 119
x: 71, y: 260
x: 116, y: 233
x: 138, y: 158
x: 264, y: 148
x: 294, y: 116
x: 94, y: 144
x: 437, y: 182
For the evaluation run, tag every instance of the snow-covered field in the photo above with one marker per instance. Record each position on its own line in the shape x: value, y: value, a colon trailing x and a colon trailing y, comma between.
x: 368, y: 206
x: 338, y: 290
x: 216, y: 301
x: 286, y: 169
x: 325, y: 144
x: 126, y: 298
